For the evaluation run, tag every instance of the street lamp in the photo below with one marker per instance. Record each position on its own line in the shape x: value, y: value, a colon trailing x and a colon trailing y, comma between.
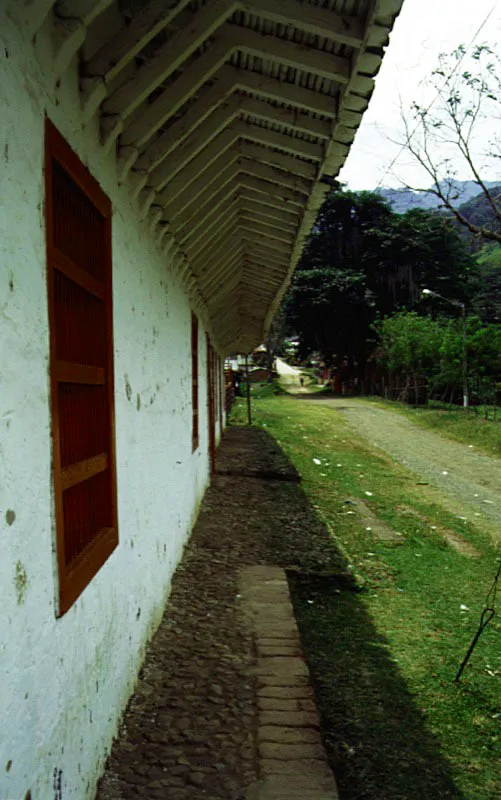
x: 462, y: 306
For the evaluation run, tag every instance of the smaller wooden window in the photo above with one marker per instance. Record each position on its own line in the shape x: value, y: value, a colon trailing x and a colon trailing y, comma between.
x: 194, y: 380
x: 78, y: 220
x: 211, y: 420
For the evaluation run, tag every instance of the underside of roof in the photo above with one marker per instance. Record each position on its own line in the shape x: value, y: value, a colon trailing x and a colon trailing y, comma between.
x: 229, y: 119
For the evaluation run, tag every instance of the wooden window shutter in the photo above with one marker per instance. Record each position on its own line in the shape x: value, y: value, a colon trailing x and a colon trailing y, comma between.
x: 78, y: 220
x: 194, y: 380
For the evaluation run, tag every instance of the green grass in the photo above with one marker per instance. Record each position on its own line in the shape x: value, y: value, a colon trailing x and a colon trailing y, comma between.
x: 454, y: 423
x: 395, y: 723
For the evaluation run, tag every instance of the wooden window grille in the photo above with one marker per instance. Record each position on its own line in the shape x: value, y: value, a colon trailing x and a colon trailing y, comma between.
x: 211, y: 406
x: 194, y: 380
x: 78, y: 229
x: 220, y: 376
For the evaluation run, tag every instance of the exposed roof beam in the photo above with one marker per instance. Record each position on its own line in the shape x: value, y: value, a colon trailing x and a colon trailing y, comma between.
x: 229, y: 79
x: 186, y: 205
x: 34, y: 13
x: 273, y: 203
x: 230, y: 39
x: 282, y: 249
x: 291, y: 164
x: 311, y: 19
x: 219, y: 256
x: 259, y: 250
x: 198, y: 165
x: 176, y: 174
x: 268, y: 264
x: 224, y: 141
x: 207, y: 211
x: 275, y: 214
x: 270, y: 190
x: 178, y: 93
x: 178, y: 49
x: 274, y: 224
x: 214, y: 249
x: 213, y: 228
x: 85, y: 10
x: 198, y: 140
x: 277, y: 176
x: 254, y: 226
x: 164, y: 164
x: 122, y: 48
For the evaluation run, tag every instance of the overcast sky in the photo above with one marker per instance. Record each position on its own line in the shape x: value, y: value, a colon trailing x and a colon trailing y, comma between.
x: 424, y: 29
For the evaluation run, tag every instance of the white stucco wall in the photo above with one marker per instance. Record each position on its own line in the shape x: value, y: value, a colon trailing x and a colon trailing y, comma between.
x: 65, y: 682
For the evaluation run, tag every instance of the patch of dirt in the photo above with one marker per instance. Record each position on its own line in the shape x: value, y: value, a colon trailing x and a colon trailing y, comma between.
x: 378, y: 528
x: 451, y: 537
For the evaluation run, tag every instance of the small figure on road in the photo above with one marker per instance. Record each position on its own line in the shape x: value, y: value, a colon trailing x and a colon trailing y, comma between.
x: 301, y: 381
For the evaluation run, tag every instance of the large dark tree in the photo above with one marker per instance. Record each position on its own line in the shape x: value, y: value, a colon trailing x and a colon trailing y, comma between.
x: 361, y: 261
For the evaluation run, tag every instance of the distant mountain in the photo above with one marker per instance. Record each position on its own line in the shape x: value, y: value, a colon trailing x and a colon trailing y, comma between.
x: 402, y: 200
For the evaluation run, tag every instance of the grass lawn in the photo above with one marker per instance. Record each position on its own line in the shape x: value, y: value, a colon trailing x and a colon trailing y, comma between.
x: 453, y: 423
x: 395, y: 724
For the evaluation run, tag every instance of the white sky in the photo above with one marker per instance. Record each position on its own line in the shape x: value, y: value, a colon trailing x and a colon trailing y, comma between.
x: 424, y: 29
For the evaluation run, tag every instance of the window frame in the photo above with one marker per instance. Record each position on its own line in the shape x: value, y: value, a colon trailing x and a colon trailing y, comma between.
x: 73, y: 579
x: 195, y: 400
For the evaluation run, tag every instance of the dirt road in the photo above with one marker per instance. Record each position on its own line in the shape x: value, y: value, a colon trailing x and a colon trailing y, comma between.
x: 470, y: 479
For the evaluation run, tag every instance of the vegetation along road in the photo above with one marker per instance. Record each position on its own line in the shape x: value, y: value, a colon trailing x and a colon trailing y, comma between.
x: 471, y: 478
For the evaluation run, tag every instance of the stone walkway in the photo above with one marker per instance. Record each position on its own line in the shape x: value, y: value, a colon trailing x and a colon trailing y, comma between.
x: 191, y: 729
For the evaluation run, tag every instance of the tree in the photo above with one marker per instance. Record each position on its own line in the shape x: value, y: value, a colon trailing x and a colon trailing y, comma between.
x: 409, y: 347
x: 418, y: 348
x: 466, y: 93
x: 362, y: 260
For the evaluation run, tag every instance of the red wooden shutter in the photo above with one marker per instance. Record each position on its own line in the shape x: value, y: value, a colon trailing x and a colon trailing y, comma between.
x: 78, y: 217
x: 210, y: 400
x: 194, y: 379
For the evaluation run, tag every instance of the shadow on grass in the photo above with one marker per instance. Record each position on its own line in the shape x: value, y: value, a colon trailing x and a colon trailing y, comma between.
x: 376, y: 737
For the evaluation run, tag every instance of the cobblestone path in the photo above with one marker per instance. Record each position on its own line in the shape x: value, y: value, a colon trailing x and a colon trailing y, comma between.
x: 190, y: 728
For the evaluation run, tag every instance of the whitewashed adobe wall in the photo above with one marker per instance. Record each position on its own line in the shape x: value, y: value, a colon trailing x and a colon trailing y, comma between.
x: 65, y: 682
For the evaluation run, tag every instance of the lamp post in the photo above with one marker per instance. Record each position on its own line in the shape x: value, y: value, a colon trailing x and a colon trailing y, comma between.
x: 462, y: 306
